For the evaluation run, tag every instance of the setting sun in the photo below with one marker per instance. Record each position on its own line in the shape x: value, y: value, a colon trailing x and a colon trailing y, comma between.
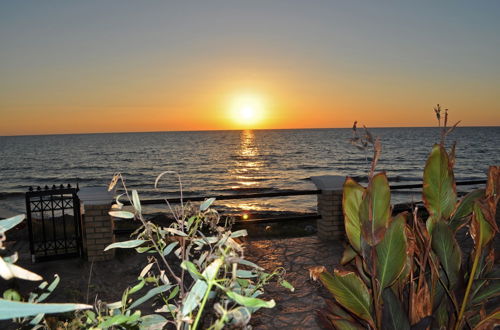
x: 247, y: 109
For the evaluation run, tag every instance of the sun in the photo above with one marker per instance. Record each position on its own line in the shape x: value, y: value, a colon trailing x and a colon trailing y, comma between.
x: 247, y: 110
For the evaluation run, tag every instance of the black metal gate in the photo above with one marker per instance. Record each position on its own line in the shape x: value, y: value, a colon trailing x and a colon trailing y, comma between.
x: 54, y: 222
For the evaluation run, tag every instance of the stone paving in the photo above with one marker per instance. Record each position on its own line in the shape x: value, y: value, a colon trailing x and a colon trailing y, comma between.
x: 294, y: 310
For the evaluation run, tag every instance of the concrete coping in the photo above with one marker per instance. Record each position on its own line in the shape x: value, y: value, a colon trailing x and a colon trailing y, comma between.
x: 95, y: 196
x: 329, y: 182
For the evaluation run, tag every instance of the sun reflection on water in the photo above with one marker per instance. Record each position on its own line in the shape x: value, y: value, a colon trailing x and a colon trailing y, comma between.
x: 246, y: 173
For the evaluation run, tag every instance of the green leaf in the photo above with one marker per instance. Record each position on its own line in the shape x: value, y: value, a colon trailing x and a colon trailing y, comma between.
x: 486, y: 292
x: 10, y: 223
x: 136, y: 201
x: 239, y: 233
x: 137, y: 287
x: 446, y: 247
x: 125, y: 245
x: 169, y: 248
x: 241, y: 273
x: 50, y: 289
x: 8, y: 271
x: 206, y: 204
x: 11, y: 309
x: 287, y: 285
x: 375, y: 209
x: 481, y: 231
x: 249, y: 301
x: 11, y: 294
x: 152, y: 322
x: 439, y: 191
x: 210, y: 273
x: 351, y: 200
x: 393, y: 315
x: 150, y: 294
x: 121, y: 214
x: 194, y: 297
x: 348, y: 255
x: 391, y: 252
x: 176, y: 232
x: 115, y: 320
x: 343, y: 324
x: 192, y: 269
x: 464, y: 209
x: 350, y: 292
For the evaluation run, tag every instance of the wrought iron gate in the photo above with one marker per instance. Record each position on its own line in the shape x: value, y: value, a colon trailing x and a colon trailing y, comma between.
x: 54, y: 222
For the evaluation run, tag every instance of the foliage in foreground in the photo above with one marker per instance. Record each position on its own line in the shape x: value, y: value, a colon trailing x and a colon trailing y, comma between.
x: 30, y: 311
x: 214, y: 286
x: 209, y: 284
x: 402, y: 272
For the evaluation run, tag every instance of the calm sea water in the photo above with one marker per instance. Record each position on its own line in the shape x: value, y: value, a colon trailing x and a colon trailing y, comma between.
x: 229, y: 162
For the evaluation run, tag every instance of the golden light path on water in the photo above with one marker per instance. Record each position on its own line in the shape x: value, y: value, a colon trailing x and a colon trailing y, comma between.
x: 247, y: 167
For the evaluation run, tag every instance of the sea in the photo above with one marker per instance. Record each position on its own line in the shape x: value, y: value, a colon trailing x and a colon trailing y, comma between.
x: 212, y: 163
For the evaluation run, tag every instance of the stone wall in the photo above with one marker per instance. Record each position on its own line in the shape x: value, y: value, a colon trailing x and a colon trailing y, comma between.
x: 97, y: 232
x: 331, y: 224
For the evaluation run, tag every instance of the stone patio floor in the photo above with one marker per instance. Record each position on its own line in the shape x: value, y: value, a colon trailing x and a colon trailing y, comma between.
x: 293, y: 310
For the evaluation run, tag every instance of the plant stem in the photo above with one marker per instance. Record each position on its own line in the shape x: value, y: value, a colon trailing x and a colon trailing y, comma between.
x: 207, y: 293
x: 469, y: 284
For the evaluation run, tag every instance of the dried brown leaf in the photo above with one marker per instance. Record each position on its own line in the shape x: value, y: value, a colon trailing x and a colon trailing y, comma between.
x: 315, y: 271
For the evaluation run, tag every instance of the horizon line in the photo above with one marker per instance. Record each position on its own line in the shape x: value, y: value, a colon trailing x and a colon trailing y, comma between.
x: 241, y: 129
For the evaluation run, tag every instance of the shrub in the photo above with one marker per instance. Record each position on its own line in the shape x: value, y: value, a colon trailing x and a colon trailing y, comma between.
x: 197, y: 273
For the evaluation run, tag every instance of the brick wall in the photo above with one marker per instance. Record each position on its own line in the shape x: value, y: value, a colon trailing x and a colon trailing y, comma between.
x: 98, y: 232
x: 331, y: 224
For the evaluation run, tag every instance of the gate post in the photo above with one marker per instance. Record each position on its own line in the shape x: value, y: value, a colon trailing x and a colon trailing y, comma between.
x: 331, y: 224
x: 97, y: 224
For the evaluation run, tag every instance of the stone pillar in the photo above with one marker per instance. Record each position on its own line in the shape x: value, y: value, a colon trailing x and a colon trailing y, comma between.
x: 331, y: 224
x: 97, y: 224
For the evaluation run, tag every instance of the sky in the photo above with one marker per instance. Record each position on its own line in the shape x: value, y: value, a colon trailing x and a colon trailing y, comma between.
x: 124, y: 66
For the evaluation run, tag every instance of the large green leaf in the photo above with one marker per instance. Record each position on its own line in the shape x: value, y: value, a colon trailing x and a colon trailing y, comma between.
x: 481, y: 230
x: 11, y: 309
x: 350, y: 292
x: 446, y: 247
x: 439, y: 191
x: 393, y: 316
x: 375, y: 209
x: 464, y: 209
x: 351, y: 200
x: 391, y: 252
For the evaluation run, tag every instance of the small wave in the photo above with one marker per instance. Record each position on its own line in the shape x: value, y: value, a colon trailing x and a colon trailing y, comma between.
x: 7, y: 195
x: 312, y: 167
x: 247, y: 189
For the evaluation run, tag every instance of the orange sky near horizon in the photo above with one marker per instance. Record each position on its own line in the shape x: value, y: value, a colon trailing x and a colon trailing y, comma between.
x: 93, y: 67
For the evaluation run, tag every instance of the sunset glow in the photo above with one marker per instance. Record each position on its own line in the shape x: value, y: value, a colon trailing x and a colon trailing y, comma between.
x: 183, y: 66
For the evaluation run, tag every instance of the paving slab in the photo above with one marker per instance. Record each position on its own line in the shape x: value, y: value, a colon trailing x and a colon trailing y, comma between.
x: 294, y: 310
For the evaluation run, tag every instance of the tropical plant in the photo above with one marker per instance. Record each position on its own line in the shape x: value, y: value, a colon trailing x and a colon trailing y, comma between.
x: 401, y: 272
